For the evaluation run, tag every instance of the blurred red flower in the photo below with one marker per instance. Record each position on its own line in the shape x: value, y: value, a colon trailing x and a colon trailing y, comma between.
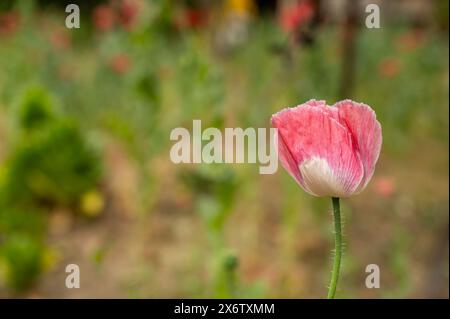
x: 410, y: 40
x: 60, y: 39
x: 294, y: 16
x: 384, y: 186
x: 388, y: 67
x: 9, y: 22
x: 120, y: 63
x: 128, y: 13
x: 192, y: 18
x: 103, y: 17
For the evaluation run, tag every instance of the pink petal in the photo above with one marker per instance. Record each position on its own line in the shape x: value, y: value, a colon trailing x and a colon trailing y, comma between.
x: 310, y: 133
x: 362, y: 123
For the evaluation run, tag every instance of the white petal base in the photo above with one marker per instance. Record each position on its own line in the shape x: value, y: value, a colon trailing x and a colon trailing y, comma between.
x: 319, y: 180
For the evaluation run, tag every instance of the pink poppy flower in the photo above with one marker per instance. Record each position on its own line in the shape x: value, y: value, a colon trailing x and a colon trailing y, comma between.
x: 329, y: 151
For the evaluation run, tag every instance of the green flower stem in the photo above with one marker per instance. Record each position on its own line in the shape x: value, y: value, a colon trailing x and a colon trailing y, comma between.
x: 337, y: 247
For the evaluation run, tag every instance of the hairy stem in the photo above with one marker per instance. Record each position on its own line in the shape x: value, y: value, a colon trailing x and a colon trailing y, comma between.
x: 337, y: 248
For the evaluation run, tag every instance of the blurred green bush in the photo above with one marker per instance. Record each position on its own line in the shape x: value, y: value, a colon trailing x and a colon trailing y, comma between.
x: 49, y: 164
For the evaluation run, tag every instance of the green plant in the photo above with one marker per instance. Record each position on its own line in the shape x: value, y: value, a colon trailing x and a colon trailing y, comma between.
x: 50, y: 161
x: 22, y: 256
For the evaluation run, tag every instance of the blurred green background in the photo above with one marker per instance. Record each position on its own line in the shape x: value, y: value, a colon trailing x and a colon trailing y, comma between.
x: 85, y: 173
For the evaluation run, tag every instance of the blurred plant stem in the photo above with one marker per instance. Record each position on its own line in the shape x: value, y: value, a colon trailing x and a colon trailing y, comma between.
x: 350, y: 28
x: 214, y: 189
x: 224, y: 262
x: 337, y: 248
x: 225, y: 282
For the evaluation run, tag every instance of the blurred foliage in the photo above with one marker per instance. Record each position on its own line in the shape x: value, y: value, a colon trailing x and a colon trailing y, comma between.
x: 215, y: 188
x: 23, y: 258
x: 50, y: 162
x: 35, y: 110
x: 52, y: 166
